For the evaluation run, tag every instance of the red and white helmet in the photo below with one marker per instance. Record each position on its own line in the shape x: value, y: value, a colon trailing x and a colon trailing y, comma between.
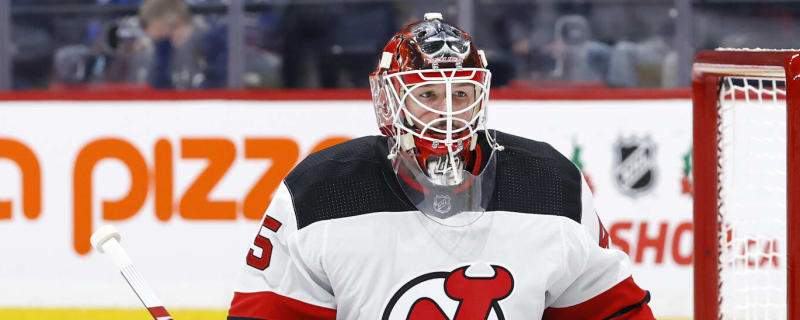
x: 422, y: 54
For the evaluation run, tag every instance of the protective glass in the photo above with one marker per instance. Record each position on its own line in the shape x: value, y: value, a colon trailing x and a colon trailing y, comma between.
x: 455, y: 205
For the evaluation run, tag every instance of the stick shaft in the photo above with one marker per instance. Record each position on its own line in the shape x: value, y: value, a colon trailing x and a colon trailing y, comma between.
x: 135, y: 280
x: 144, y: 293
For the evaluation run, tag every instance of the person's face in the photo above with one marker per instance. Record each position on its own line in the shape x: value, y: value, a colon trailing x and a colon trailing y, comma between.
x: 434, y: 97
x: 163, y: 27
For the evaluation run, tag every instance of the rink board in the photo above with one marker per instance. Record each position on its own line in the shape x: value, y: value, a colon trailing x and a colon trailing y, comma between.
x: 145, y: 153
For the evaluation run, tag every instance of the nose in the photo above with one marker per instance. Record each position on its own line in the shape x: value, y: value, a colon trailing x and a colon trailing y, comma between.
x: 440, y: 104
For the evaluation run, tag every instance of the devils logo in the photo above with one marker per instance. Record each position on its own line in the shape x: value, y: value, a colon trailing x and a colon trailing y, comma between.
x: 451, y: 296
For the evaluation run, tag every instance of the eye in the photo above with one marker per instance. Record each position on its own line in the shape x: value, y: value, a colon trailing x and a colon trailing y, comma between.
x: 426, y: 94
x: 460, y: 94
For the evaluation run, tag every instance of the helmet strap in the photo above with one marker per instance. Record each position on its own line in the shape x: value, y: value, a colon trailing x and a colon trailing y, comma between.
x: 406, y: 141
x: 473, y: 141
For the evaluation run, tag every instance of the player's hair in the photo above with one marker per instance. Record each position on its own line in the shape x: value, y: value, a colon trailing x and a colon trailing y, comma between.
x: 151, y: 10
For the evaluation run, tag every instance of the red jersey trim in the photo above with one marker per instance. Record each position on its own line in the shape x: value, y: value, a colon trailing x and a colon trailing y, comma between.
x: 272, y: 306
x: 611, y: 304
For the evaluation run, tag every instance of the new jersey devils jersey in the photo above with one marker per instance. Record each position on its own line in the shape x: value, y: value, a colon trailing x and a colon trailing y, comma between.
x: 341, y: 240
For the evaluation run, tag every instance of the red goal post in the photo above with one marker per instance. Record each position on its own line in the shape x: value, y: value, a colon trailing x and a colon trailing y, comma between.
x: 714, y: 73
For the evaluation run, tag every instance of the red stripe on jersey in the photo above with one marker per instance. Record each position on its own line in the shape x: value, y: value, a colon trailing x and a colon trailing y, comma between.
x: 272, y: 306
x: 611, y: 302
x: 603, y: 234
x: 159, y: 312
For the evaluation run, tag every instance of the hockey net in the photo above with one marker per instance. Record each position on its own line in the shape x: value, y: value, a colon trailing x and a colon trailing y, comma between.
x: 743, y: 104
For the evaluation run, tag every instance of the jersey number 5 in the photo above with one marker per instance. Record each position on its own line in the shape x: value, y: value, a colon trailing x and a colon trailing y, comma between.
x: 264, y: 243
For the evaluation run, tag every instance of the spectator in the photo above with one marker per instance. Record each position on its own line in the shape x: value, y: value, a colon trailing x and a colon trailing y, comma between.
x: 106, y: 58
x: 187, y: 52
x: 647, y: 59
x: 578, y: 57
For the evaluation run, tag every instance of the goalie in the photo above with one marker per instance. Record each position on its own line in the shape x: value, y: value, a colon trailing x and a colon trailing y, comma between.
x: 439, y: 218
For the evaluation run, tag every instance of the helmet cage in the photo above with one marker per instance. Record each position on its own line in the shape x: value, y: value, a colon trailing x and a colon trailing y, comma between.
x: 395, y: 119
x: 450, y: 115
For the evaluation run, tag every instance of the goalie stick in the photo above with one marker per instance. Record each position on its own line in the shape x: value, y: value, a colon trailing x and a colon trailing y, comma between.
x: 106, y: 240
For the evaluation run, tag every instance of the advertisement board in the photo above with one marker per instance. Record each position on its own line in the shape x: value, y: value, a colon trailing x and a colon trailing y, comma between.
x: 186, y: 183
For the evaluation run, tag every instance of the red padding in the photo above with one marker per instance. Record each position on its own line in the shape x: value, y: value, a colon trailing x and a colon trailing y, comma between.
x: 332, y: 94
x: 272, y: 306
x: 619, y: 297
x: 413, y: 78
x: 214, y: 94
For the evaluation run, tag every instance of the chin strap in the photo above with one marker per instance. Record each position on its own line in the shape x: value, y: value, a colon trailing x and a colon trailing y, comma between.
x: 492, y: 142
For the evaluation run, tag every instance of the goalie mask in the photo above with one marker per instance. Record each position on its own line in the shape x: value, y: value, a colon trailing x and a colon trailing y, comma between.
x: 430, y: 92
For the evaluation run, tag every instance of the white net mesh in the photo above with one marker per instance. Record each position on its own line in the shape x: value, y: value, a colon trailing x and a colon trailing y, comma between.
x: 752, y: 198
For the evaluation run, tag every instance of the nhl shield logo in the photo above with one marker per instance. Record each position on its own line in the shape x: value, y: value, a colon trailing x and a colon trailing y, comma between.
x: 441, y: 203
x: 635, y: 165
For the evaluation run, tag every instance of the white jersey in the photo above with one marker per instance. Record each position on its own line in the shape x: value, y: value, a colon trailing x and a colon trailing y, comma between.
x: 339, y: 241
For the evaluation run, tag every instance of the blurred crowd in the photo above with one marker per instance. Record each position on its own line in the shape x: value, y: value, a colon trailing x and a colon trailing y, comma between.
x: 183, y: 44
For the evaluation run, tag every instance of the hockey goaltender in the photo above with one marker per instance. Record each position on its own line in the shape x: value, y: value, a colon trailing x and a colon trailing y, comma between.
x: 439, y: 217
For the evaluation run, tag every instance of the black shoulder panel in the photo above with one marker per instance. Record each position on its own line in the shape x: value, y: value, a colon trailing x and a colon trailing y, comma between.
x: 354, y: 178
x: 533, y: 177
x: 349, y: 179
